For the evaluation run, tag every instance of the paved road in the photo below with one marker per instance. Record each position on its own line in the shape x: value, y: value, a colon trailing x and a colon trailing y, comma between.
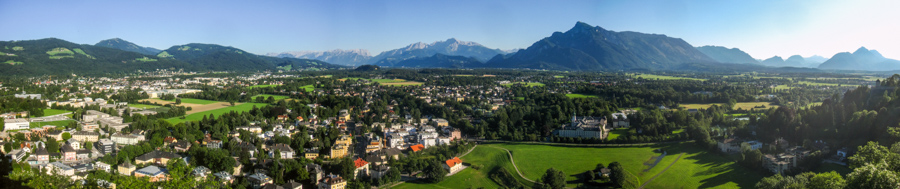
x: 661, y: 172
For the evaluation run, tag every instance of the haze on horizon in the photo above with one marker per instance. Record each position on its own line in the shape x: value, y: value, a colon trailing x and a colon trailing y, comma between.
x: 761, y: 28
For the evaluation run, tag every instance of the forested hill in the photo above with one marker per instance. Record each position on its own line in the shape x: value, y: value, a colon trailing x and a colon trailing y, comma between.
x: 59, y: 57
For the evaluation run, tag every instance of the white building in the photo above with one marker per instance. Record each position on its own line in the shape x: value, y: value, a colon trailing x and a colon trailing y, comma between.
x: 16, y: 124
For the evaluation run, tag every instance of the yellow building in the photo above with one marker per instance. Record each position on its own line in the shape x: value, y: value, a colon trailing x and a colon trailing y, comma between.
x: 339, y: 150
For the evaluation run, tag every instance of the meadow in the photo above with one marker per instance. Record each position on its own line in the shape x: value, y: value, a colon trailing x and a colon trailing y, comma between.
x: 58, y: 124
x: 193, y: 101
x: 308, y: 88
x: 133, y: 105
x: 199, y: 115
x: 572, y: 95
x: 741, y: 105
x: 262, y: 86
x: 266, y: 96
x: 663, y: 77
x: 527, y: 84
x: 50, y: 112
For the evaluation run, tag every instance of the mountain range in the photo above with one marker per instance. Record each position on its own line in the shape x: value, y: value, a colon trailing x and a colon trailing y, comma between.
x: 726, y: 55
x: 391, y: 58
x: 56, y: 56
x: 861, y: 59
x: 354, y: 57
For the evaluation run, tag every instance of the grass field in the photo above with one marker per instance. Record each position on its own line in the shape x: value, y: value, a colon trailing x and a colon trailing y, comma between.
x: 262, y: 86
x: 528, y: 84
x: 12, y: 62
x: 741, y: 105
x: 193, y: 101
x: 558, y: 76
x: 487, y: 157
x: 199, y: 115
x: 571, y: 95
x: 308, y: 88
x: 663, y: 77
x: 696, y: 169
x: 142, y: 106
x: 407, y: 83
x: 50, y: 112
x: 81, y: 52
x: 616, y: 133
x: 55, y: 123
x: 145, y: 59
x: 276, y: 97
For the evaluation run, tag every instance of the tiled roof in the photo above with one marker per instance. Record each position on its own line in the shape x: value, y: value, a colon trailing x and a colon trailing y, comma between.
x: 453, y: 162
x: 359, y: 162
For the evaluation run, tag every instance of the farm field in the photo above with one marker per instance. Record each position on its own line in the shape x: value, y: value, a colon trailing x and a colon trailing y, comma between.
x: 308, y: 88
x: 262, y: 86
x: 210, y: 105
x: 573, y: 95
x: 196, y: 116
x: 663, y: 77
x: 741, y: 105
x: 266, y: 96
x: 407, y: 83
x: 528, y: 84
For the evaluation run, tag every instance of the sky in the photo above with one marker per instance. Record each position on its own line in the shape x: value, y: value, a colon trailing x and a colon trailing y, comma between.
x: 761, y: 28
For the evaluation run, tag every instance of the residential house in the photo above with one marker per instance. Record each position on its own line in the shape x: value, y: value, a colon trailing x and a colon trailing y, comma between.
x: 225, y: 177
x: 68, y: 153
x: 126, y: 139
x: 379, y: 171
x: 74, y: 143
x: 210, y: 143
x: 42, y: 156
x: 103, y: 166
x: 86, y: 136
x: 106, y: 146
x: 730, y: 145
x: 453, y: 165
x: 182, y: 146
x: 285, y: 151
x: 57, y: 168
x: 362, y: 168
x: 156, y: 157
x: 417, y: 147
x: 339, y: 150
x: 311, y: 153
x: 200, y: 172
x: 315, y: 172
x: 257, y: 180
x: 126, y: 168
x: 332, y: 181
x: 620, y: 120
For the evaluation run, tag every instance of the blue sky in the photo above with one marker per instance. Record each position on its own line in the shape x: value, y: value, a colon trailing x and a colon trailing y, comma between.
x: 761, y: 28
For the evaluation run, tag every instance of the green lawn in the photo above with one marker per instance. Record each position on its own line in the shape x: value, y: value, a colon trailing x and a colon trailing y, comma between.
x: 194, y: 101
x: 262, y: 86
x: 199, y: 115
x: 276, y: 97
x: 696, y: 169
x: 308, y: 88
x: 663, y: 77
x: 572, y: 95
x: 558, y: 76
x: 741, y: 105
x: 12, y: 62
x: 50, y: 112
x: 528, y: 84
x: 487, y: 157
x: 55, y: 123
x: 615, y: 133
x: 142, y: 106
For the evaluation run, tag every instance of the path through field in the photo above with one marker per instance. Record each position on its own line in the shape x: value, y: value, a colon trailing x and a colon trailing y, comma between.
x: 661, y: 172
x: 513, y: 161
x: 194, y: 107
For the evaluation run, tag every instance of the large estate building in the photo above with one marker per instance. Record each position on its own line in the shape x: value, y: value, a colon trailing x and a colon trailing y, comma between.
x: 584, y: 127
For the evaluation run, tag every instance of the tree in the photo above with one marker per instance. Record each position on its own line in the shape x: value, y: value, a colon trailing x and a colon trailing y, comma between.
x: 66, y: 136
x: 435, y: 172
x: 231, y: 102
x: 874, y: 176
x: 554, y: 179
x: 826, y: 181
x: 617, y: 174
x: 52, y: 145
x: 178, y: 101
x: 88, y: 145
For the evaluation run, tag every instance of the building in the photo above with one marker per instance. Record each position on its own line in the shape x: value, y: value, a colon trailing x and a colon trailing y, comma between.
x: 74, y: 143
x: 57, y: 168
x: 68, y: 153
x: 86, y: 136
x: 155, y: 173
x: 56, y: 135
x: 156, y: 157
x: 285, y: 151
x: 332, y: 181
x: 210, y: 143
x: 106, y: 146
x: 438, y: 122
x: 339, y: 150
x: 257, y: 180
x: 455, y: 134
x: 780, y: 163
x: 584, y: 127
x: 15, y: 124
x: 103, y: 166
x: 395, y: 140
x: 126, y: 168
x: 315, y: 172
x: 453, y: 165
x: 417, y: 147
x: 620, y: 120
x: 379, y: 171
x: 129, y: 139
x: 730, y: 145
x: 311, y: 153
x: 200, y: 172
x: 362, y: 168
x: 182, y: 146
x: 41, y: 156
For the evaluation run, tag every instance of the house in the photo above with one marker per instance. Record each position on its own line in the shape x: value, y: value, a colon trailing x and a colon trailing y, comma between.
x: 332, y: 182
x: 780, y: 163
x: 292, y: 185
x: 210, y: 143
x: 182, y: 146
x: 257, y: 180
x: 339, y: 150
x: 604, y: 172
x: 156, y: 157
x: 249, y: 147
x: 362, y: 168
x: 730, y: 145
x: 395, y: 140
x: 68, y: 153
x: 223, y: 176
x: 453, y: 165
x: 285, y: 151
x: 42, y: 156
x: 17, y: 154
x: 312, y: 153
x: 455, y: 134
x: 126, y: 168
x: 155, y: 173
x: 315, y: 172
x: 417, y: 147
x: 74, y: 143
x: 15, y: 124
x: 106, y: 146
x: 169, y: 140
x: 379, y: 171
x: 103, y: 166
x: 57, y: 168
x: 438, y: 122
x: 200, y: 172
x: 620, y: 120
x: 56, y: 135
x: 129, y: 139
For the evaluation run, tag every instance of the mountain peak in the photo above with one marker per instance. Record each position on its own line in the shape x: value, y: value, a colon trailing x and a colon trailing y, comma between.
x: 860, y: 50
x: 581, y: 27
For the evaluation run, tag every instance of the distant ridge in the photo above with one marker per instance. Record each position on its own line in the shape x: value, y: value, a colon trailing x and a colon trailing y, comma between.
x: 121, y: 44
x: 726, y: 55
x: 449, y: 47
x: 352, y: 57
x: 861, y: 59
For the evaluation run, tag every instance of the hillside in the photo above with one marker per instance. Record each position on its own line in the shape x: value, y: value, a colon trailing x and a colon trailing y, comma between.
x: 726, y: 55
x: 56, y: 56
x: 450, y: 47
x: 438, y: 61
x: 217, y: 57
x: 585, y: 47
x: 121, y: 44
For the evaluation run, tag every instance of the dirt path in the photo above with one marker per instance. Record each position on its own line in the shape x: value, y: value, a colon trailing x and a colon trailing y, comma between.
x: 470, y: 150
x: 194, y: 107
x: 513, y: 161
x: 663, y: 171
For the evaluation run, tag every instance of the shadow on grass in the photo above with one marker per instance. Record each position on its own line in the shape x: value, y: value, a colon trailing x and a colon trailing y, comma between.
x: 723, y: 168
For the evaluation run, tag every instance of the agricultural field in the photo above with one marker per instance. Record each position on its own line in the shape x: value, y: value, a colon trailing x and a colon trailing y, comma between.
x: 572, y: 95
x: 12, y: 62
x: 81, y: 52
x: 242, y: 107
x: 527, y: 84
x: 308, y: 88
x: 276, y: 97
x: 59, y: 53
x: 558, y: 76
x: 741, y: 105
x: 145, y: 59
x: 663, y: 77
x: 262, y: 86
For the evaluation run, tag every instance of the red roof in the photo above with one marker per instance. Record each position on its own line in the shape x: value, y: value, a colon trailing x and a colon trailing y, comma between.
x: 417, y: 147
x: 360, y: 162
x: 453, y: 162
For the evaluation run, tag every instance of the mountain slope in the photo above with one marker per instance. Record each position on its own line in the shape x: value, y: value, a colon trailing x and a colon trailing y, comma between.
x: 450, y: 47
x: 217, y: 57
x: 861, y: 59
x: 439, y: 61
x: 775, y: 61
x: 352, y: 57
x: 726, y: 55
x: 585, y: 47
x: 121, y: 44
x: 57, y: 57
